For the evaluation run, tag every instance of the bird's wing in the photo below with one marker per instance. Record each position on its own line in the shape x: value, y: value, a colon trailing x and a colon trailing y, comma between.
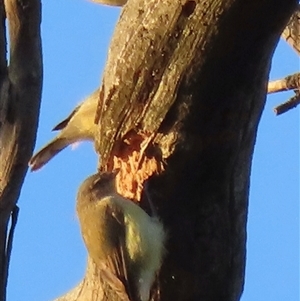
x: 63, y: 123
x: 118, y: 261
x: 116, y: 286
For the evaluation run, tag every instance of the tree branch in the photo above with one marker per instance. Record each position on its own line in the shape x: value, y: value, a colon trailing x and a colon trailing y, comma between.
x: 291, y: 32
x: 292, y: 103
x: 21, y: 85
x: 291, y: 82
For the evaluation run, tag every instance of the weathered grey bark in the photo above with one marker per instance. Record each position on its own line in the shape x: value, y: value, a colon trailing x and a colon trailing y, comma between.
x: 20, y: 96
x: 291, y: 34
x: 194, y: 73
x: 290, y: 82
x: 292, y: 31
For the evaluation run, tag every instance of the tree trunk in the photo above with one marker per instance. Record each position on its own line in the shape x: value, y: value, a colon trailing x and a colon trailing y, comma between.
x: 190, y: 77
x: 21, y: 86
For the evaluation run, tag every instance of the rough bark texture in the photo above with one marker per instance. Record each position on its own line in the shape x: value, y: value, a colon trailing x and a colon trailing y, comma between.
x: 194, y: 73
x: 20, y: 94
x: 290, y: 82
x: 292, y: 31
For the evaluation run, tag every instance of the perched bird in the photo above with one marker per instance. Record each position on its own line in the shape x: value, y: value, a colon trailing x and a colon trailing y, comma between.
x: 119, y: 233
x: 79, y: 125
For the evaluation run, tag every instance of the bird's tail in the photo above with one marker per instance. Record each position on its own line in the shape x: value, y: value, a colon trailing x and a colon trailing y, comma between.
x: 47, y: 153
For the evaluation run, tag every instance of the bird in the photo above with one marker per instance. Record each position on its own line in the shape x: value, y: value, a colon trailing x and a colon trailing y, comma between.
x: 119, y: 234
x: 79, y: 125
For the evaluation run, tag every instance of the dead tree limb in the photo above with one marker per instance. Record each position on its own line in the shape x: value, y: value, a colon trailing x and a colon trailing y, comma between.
x: 184, y: 86
x: 20, y: 95
x: 292, y: 103
x: 291, y: 82
x: 291, y: 32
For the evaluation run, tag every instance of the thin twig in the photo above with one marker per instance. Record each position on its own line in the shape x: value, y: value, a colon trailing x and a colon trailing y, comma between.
x: 14, y: 219
x: 290, y: 82
x: 293, y: 102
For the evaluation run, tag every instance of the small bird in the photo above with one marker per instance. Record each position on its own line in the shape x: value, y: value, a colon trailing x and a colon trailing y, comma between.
x: 79, y: 125
x: 119, y: 233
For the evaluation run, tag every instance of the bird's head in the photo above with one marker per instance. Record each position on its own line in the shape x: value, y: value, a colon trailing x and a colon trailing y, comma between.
x: 98, y: 185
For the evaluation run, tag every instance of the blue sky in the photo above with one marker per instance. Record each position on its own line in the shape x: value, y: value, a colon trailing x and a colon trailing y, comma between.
x: 49, y: 257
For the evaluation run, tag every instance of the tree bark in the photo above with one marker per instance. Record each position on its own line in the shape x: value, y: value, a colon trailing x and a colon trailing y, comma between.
x: 194, y: 74
x: 292, y: 31
x: 290, y: 82
x: 21, y: 84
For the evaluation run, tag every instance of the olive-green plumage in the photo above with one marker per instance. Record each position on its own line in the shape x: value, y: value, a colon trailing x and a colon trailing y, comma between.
x: 118, y: 232
x: 79, y: 125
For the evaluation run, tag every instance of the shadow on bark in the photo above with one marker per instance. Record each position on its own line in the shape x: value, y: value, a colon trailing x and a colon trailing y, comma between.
x: 188, y: 78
